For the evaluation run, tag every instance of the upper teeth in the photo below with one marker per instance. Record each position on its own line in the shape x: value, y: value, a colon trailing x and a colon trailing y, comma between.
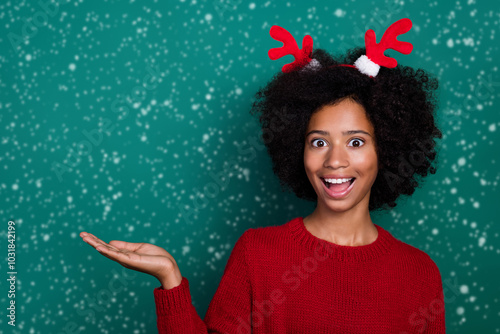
x: 338, y: 180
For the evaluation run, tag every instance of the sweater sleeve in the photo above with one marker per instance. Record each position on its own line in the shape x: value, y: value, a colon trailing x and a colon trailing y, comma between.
x: 436, y: 305
x: 228, y: 311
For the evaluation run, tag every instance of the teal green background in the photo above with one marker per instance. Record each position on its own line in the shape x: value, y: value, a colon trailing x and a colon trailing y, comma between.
x: 77, y: 69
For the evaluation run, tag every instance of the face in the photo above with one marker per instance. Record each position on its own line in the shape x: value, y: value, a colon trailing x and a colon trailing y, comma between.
x: 340, y: 144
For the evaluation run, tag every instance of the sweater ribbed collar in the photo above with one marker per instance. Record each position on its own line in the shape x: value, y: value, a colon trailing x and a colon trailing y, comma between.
x: 379, y: 247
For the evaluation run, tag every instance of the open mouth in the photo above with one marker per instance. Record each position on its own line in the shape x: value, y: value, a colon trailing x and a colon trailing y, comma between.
x: 338, y: 190
x: 338, y: 187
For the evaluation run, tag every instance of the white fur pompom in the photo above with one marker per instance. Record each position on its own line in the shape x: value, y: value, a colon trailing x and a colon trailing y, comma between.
x: 366, y: 66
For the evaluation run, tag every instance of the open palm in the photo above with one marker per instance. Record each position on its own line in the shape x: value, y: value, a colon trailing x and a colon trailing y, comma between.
x: 143, y: 257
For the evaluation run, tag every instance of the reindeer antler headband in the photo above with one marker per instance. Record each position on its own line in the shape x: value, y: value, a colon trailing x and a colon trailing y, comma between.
x: 368, y: 64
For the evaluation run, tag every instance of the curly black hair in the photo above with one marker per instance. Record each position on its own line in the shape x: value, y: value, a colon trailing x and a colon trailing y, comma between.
x: 400, y: 103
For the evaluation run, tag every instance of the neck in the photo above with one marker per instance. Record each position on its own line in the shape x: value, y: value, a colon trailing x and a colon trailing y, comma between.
x: 353, y: 227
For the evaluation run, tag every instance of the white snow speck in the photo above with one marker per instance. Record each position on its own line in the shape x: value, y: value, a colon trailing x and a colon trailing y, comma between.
x: 482, y: 241
x: 339, y: 12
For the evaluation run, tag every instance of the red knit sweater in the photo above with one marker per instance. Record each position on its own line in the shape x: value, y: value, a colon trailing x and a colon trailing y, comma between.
x: 283, y: 279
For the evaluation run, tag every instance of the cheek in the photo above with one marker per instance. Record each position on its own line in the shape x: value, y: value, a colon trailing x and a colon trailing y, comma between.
x: 367, y: 161
x: 311, y: 159
x: 307, y: 163
x: 311, y: 165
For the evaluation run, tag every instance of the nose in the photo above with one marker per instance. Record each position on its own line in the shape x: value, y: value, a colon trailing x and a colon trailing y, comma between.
x: 336, y: 157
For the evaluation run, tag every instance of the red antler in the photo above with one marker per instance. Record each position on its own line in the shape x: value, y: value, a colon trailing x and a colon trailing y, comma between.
x: 375, y: 51
x: 290, y: 47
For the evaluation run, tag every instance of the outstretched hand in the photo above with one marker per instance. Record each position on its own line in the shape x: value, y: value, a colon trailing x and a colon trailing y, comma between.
x: 143, y: 257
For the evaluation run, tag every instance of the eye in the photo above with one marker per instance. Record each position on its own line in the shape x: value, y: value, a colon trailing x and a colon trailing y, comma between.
x: 357, y: 140
x: 320, y: 140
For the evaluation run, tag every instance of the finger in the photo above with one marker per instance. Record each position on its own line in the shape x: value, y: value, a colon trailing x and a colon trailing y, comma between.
x: 131, y: 246
x: 95, y: 242
x: 117, y: 256
x: 96, y: 238
x: 116, y: 244
x: 110, y: 254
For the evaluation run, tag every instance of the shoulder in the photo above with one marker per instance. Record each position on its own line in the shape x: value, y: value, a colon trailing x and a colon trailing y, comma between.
x: 418, y: 261
x: 266, y: 237
x: 421, y: 272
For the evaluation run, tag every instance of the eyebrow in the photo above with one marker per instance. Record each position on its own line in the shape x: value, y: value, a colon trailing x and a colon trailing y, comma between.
x: 345, y: 133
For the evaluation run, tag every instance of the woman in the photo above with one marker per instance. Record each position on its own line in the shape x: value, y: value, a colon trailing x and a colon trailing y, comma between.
x: 352, y: 138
